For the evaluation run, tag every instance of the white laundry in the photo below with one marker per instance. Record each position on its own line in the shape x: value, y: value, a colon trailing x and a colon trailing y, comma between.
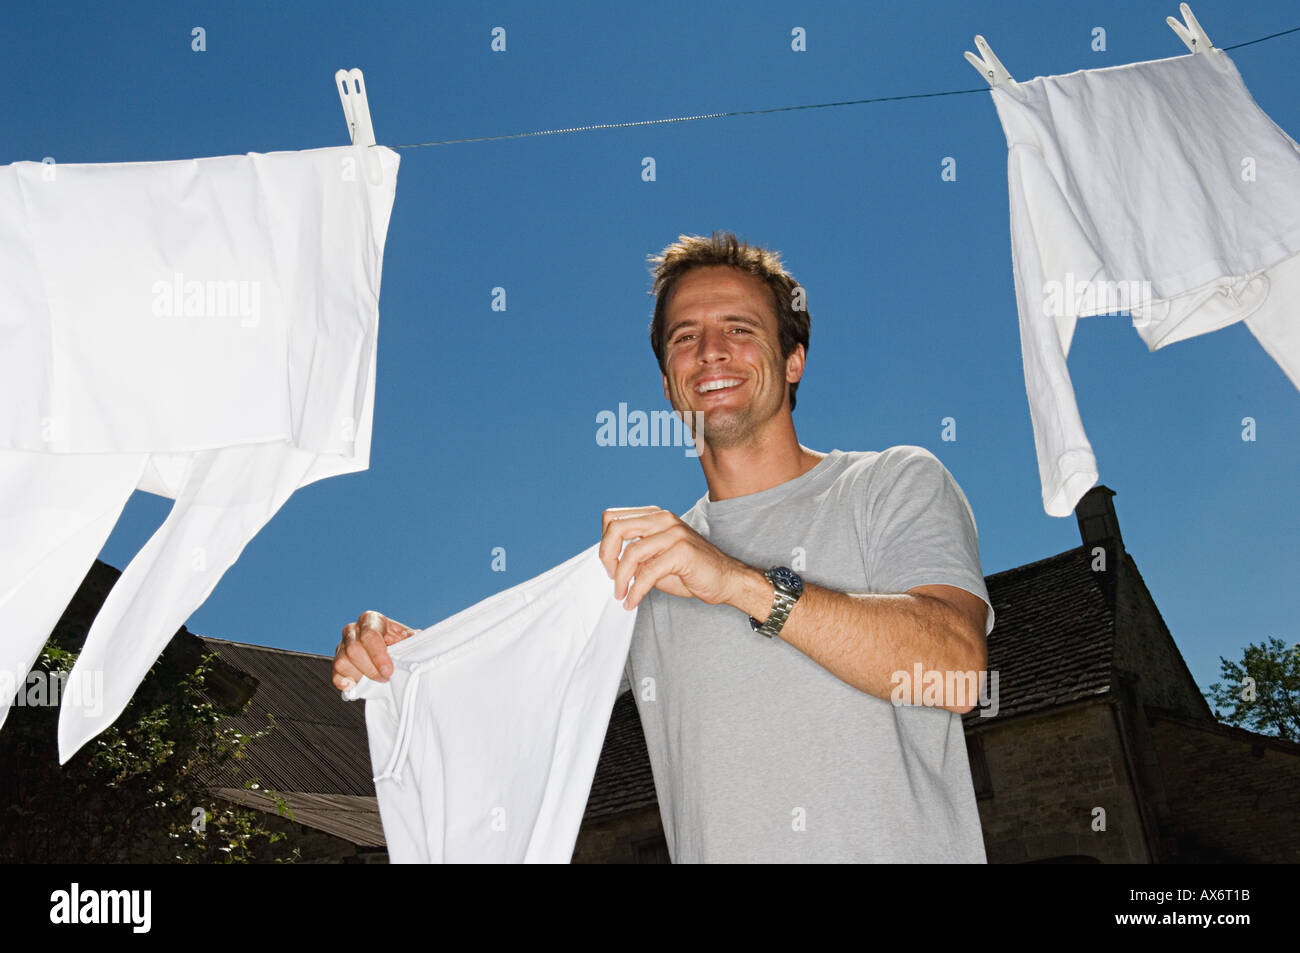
x: 485, y: 738
x: 202, y: 329
x: 1160, y: 188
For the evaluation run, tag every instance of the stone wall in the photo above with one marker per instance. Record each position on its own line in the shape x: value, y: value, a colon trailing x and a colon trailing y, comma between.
x: 1047, y: 773
x: 635, y: 837
x: 1234, y: 795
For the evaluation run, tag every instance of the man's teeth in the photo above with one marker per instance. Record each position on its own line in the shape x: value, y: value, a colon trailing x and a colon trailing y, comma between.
x: 716, y: 385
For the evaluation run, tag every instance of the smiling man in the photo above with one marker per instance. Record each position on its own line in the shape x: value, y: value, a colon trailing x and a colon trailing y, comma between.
x: 779, y: 611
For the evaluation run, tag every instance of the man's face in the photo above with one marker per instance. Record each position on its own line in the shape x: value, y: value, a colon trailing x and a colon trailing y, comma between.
x: 722, y: 354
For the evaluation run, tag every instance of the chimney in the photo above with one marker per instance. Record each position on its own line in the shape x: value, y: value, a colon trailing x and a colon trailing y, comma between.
x: 1096, y: 516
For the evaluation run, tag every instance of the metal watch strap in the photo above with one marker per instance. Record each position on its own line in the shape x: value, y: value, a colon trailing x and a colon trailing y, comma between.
x: 787, y: 587
x: 781, y: 606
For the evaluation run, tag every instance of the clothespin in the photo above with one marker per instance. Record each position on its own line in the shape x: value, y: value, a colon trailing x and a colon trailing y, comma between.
x: 1192, y: 33
x: 991, y: 68
x: 356, y: 111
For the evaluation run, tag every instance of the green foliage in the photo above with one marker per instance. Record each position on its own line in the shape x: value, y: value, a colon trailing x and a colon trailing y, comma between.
x: 137, y: 792
x: 1262, y: 691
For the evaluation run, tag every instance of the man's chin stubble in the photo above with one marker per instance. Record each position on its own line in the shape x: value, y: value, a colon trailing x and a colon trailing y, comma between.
x: 722, y: 432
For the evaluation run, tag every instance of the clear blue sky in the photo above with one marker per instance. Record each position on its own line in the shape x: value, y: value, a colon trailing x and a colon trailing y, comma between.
x: 485, y: 421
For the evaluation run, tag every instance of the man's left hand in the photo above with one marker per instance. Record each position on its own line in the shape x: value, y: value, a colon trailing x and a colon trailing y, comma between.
x: 664, y: 554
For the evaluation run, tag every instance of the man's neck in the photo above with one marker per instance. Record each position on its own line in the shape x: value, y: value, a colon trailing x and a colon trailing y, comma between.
x: 769, y: 460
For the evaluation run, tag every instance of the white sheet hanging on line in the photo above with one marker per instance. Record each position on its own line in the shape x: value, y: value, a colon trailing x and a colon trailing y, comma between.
x: 1160, y: 188
x: 203, y: 329
x: 486, y: 737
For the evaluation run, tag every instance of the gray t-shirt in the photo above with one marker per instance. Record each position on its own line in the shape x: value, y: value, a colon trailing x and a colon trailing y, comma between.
x: 761, y: 754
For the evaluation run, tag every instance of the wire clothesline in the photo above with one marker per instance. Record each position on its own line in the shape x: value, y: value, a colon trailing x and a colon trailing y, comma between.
x: 751, y: 112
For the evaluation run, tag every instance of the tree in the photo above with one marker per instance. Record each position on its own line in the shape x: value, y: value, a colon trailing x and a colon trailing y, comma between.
x: 1262, y: 691
x: 136, y: 792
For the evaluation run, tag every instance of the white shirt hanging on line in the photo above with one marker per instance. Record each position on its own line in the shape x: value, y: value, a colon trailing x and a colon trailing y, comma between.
x: 1160, y: 188
x: 202, y: 329
x: 485, y: 738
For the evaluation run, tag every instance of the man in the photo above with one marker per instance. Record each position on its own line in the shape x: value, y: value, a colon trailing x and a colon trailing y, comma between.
x: 778, y: 614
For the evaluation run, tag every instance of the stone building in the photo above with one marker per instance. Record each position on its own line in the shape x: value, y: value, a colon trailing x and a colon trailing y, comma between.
x: 1100, y: 714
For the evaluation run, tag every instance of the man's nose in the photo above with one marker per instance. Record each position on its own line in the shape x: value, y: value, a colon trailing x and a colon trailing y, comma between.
x: 713, y: 345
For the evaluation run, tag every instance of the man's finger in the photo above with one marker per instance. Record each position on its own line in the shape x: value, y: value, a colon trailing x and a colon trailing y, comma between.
x: 387, y: 630
x: 362, y: 662
x: 346, y: 675
x: 371, y: 619
x: 634, y: 556
x: 394, y: 631
x: 608, y: 517
x: 617, y: 531
x: 371, y: 638
x: 622, y: 512
x: 648, y: 573
x: 365, y: 649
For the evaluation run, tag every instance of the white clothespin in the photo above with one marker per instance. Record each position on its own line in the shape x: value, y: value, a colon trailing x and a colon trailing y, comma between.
x: 1193, y: 34
x: 991, y: 68
x: 356, y: 110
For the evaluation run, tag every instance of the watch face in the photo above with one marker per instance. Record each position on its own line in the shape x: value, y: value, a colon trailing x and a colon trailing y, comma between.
x: 786, y: 578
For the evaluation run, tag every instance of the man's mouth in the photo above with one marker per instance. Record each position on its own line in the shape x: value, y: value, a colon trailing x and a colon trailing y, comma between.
x: 721, y: 383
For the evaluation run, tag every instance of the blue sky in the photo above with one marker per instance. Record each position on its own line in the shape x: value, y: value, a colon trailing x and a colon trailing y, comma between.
x: 484, y: 431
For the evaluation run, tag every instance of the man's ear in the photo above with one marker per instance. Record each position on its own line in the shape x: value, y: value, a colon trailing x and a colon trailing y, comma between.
x: 666, y: 397
x: 794, y: 364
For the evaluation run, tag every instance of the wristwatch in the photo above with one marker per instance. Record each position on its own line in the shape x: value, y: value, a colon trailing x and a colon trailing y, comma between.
x: 787, y: 587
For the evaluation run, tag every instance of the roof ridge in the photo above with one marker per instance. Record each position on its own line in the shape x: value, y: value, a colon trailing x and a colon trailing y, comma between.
x: 1215, y: 726
x: 1036, y: 563
x: 264, y: 648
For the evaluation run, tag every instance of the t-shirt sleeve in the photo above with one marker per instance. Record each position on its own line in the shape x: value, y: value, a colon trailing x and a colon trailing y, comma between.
x: 918, y: 527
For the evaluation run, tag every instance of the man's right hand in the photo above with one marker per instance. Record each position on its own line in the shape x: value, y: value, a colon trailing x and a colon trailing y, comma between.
x: 364, y: 649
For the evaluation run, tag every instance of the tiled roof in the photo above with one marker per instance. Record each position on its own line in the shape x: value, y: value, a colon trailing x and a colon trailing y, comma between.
x: 355, y: 819
x: 623, y: 779
x: 317, y: 757
x: 1053, y: 638
x: 319, y: 742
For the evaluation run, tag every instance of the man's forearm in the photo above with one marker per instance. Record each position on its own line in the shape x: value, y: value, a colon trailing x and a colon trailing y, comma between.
x: 864, y: 638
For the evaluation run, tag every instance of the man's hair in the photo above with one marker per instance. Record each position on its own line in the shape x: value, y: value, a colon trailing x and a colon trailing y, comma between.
x: 724, y: 248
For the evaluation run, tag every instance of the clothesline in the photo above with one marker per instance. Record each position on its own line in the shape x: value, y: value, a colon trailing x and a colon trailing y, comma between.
x: 752, y: 112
